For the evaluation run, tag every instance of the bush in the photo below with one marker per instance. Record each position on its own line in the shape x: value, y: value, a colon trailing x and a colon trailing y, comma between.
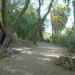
x: 26, y: 27
x: 67, y: 39
x: 70, y: 39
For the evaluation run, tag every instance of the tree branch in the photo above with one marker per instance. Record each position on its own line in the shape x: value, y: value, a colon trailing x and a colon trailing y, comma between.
x: 49, y: 9
x: 39, y: 10
x: 21, y: 13
x: 19, y: 16
x: 11, y: 29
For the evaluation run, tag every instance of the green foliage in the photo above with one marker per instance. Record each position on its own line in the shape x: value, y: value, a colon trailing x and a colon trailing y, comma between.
x: 59, y: 17
x: 70, y: 39
x: 67, y: 39
x: 27, y: 25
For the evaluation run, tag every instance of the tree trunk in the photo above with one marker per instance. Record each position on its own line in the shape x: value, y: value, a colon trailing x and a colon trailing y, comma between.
x: 52, y: 34
x: 41, y: 22
x: 74, y: 12
x: 4, y: 15
x: 11, y: 29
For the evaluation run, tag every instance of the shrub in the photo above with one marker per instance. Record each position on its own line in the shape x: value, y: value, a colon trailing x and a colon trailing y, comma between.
x: 67, y: 39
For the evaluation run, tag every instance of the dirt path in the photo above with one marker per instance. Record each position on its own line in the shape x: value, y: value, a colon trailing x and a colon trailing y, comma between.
x: 38, y: 60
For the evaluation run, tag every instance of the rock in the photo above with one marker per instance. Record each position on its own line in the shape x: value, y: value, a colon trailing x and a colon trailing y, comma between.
x: 67, y: 61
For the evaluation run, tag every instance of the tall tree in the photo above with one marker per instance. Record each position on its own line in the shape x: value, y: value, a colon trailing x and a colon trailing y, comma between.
x: 11, y: 29
x: 59, y: 17
x: 41, y: 20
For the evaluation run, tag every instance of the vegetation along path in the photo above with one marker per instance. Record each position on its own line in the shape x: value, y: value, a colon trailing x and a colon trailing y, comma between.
x: 37, y: 60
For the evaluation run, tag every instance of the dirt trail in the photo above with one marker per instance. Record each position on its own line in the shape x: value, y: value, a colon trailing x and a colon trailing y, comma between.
x: 38, y: 60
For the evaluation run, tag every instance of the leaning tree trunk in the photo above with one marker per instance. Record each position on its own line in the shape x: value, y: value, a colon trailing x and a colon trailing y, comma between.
x: 43, y: 19
x: 11, y: 29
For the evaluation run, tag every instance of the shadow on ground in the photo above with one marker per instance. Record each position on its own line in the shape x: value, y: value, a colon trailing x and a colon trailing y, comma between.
x: 37, y: 60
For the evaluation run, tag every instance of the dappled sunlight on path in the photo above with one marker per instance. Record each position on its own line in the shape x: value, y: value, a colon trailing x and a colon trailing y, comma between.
x: 37, y: 60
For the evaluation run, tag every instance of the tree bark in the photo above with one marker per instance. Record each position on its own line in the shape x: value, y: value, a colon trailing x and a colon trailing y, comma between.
x: 73, y: 2
x: 4, y: 15
x: 11, y: 29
